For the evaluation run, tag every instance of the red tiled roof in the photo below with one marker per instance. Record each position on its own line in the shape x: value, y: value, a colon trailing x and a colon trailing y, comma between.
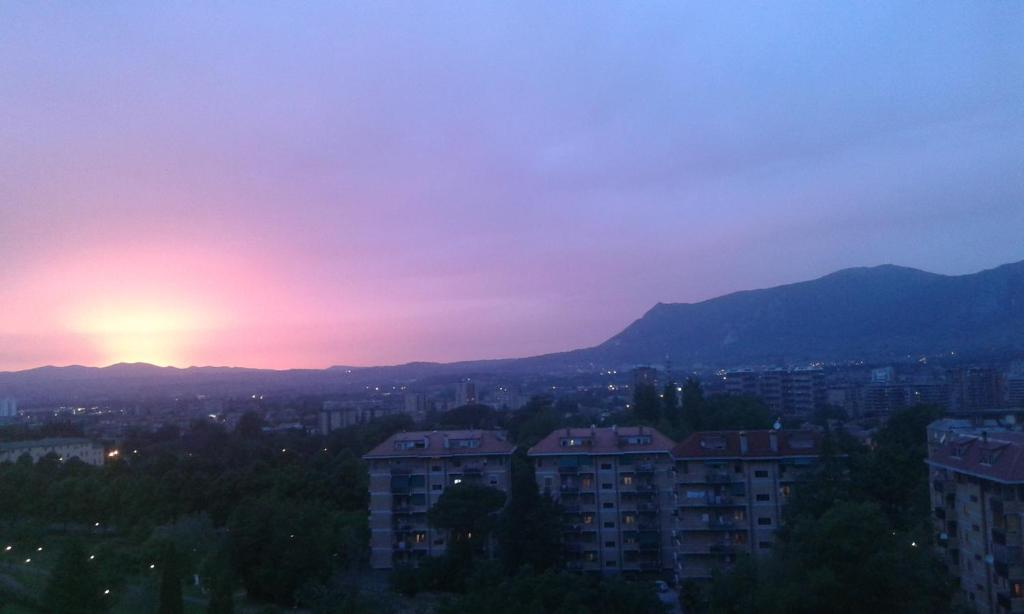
x: 433, y: 444
x: 605, y: 440
x: 999, y: 456
x: 726, y: 444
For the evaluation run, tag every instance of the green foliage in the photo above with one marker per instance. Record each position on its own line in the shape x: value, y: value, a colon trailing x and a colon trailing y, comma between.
x: 530, y: 525
x: 555, y: 592
x: 533, y: 422
x: 646, y: 403
x: 73, y: 586
x: 469, y: 513
x: 279, y: 544
x: 856, y: 536
x: 170, y: 601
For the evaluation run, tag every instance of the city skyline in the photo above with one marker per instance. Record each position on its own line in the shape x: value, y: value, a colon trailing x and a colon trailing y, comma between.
x: 312, y: 185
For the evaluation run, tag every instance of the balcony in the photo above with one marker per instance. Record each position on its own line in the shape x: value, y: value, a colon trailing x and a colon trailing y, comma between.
x: 570, y: 489
x: 718, y: 477
x: 645, y: 468
x: 568, y: 469
x: 725, y: 500
x: 722, y: 548
x: 721, y: 523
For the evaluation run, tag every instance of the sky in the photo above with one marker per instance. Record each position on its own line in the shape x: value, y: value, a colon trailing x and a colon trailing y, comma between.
x: 279, y: 185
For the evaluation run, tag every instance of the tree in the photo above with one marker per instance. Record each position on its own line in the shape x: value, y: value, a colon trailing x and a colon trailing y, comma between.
x: 222, y: 591
x: 530, y: 526
x: 250, y: 425
x: 693, y: 404
x: 646, y: 403
x: 170, y: 582
x: 467, y: 511
x: 73, y: 587
x: 670, y: 404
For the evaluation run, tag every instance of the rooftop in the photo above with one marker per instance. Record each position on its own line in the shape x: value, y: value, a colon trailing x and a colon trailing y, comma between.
x: 432, y: 444
x: 727, y: 444
x: 997, y: 456
x: 605, y: 440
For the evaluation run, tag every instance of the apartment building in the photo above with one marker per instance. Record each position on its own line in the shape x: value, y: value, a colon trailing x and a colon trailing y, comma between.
x: 731, y: 487
x: 977, y: 492
x: 783, y: 391
x: 615, y: 486
x: 408, y: 473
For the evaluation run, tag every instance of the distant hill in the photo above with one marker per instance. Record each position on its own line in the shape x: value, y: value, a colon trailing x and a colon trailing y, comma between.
x: 873, y: 314
x: 878, y: 313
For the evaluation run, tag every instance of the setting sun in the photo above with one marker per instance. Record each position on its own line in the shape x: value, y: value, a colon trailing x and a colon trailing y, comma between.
x: 140, y: 333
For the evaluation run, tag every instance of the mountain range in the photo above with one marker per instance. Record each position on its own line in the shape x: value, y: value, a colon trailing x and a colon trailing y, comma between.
x: 871, y: 314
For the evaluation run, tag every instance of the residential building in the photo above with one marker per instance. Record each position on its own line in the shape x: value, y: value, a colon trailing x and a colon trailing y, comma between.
x: 977, y: 494
x: 65, y: 448
x: 410, y: 471
x: 731, y: 489
x: 8, y: 408
x: 615, y: 487
x: 465, y: 394
x: 335, y: 415
x: 783, y: 391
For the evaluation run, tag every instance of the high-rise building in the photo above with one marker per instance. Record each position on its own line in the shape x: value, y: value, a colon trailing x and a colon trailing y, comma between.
x: 335, y: 415
x: 8, y: 408
x: 977, y: 388
x: 977, y: 495
x: 645, y: 376
x: 731, y: 488
x: 615, y: 488
x: 410, y: 471
x: 465, y: 394
x: 783, y: 391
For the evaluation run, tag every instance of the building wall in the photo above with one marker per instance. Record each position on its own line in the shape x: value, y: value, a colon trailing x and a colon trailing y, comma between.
x: 729, y: 506
x: 402, y: 490
x: 618, y: 509
x: 87, y: 452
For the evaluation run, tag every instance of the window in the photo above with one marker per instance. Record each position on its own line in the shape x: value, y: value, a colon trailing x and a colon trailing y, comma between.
x: 760, y: 474
x: 627, y: 480
x: 764, y: 545
x: 737, y: 468
x: 609, y: 525
x: 606, y: 466
x: 435, y: 487
x: 609, y: 563
x: 586, y: 483
x: 762, y: 497
x: 547, y: 484
x: 764, y: 522
x: 436, y: 468
x: 1018, y: 590
x: 409, y: 444
x: 628, y: 519
x: 574, y: 442
x: 588, y: 519
x: 785, y: 490
x: 608, y: 505
x: 606, y: 486
x: 609, y: 544
x: 684, y: 467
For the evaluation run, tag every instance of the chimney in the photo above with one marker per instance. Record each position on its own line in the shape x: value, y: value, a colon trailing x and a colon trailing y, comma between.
x: 743, y: 442
x: 773, y: 441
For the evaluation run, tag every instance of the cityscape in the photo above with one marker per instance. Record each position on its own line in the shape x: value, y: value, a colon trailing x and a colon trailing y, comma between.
x: 512, y: 308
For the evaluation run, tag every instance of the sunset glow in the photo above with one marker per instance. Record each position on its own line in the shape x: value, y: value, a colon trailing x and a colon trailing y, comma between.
x: 319, y: 184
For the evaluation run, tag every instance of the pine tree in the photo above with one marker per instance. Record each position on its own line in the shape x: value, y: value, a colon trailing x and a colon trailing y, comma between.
x: 170, y: 583
x: 73, y: 587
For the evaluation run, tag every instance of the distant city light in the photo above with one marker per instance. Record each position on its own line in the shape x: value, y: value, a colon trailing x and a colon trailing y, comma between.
x: 106, y: 592
x: 28, y: 561
x: 7, y: 549
x: 92, y: 557
x: 113, y: 454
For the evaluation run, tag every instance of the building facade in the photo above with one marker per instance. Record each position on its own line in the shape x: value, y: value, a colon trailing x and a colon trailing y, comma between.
x: 731, y: 487
x: 784, y: 391
x: 977, y: 494
x: 615, y: 488
x: 87, y: 451
x: 410, y: 471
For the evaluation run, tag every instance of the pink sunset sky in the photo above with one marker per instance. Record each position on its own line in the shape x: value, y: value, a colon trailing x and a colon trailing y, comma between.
x: 302, y: 185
